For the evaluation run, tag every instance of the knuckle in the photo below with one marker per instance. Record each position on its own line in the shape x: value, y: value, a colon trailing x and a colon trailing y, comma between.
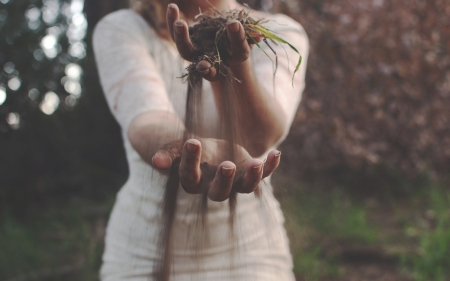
x: 246, y: 53
x: 225, y: 182
x: 189, y: 179
x: 191, y: 160
x: 241, y: 56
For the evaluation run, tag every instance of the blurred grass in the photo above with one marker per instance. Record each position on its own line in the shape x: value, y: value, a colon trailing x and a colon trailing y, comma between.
x: 326, y: 227
x: 315, y: 221
x: 62, y: 242
x: 431, y: 230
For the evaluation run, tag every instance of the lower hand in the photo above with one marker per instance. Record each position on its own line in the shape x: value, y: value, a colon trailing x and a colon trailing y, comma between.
x: 195, y: 175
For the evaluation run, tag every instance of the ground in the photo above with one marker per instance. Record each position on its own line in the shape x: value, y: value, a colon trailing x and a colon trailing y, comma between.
x: 333, y: 237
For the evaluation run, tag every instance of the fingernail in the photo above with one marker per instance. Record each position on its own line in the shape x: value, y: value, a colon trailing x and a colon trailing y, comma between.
x: 277, y: 154
x: 206, y: 71
x: 203, y: 67
x: 191, y: 147
x: 178, y: 27
x: 227, y: 172
x: 233, y: 26
x: 258, y: 169
x: 153, y: 164
x: 171, y: 8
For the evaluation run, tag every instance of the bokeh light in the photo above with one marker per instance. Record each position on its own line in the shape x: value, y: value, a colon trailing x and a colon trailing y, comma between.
x: 71, y: 82
x: 73, y: 87
x: 9, y: 67
x: 77, y: 29
x: 33, y: 13
x: 13, y: 119
x: 49, y: 37
x: 74, y: 71
x: 33, y: 94
x: 50, y: 11
x: 14, y: 83
x: 2, y: 95
x: 33, y: 16
x: 38, y: 54
x: 50, y: 103
x: 77, y: 50
x: 71, y: 100
x: 49, y: 46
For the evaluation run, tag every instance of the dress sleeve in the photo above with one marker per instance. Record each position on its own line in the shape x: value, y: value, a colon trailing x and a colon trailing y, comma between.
x: 288, y: 87
x: 129, y: 77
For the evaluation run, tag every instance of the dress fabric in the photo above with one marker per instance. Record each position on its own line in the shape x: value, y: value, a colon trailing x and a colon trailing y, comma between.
x: 139, y: 73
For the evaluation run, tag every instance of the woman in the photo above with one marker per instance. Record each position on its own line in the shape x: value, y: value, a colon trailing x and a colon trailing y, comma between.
x: 139, y: 60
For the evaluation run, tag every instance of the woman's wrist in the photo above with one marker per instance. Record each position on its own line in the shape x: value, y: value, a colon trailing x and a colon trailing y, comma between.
x: 243, y: 70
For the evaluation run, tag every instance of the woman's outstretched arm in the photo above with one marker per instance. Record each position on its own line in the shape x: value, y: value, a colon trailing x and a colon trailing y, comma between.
x: 152, y: 135
x: 265, y: 122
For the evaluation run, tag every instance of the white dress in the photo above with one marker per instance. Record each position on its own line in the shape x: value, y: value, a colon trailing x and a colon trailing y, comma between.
x: 138, y: 73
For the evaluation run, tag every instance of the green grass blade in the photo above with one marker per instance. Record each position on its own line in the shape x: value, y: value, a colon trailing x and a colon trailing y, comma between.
x: 257, y: 44
x: 272, y: 36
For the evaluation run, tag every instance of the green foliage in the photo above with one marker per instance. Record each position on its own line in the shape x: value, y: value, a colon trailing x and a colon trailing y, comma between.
x: 75, y: 151
x: 309, y: 264
x: 433, y: 261
x: 314, y: 219
x: 335, y: 213
x: 56, y: 242
x: 270, y: 35
x: 40, y: 43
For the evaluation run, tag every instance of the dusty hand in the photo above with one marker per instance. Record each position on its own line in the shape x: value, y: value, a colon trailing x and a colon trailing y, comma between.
x: 193, y: 176
x: 178, y: 29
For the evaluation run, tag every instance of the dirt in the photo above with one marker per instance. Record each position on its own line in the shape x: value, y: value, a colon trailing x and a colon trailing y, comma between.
x: 210, y: 38
x: 370, y: 272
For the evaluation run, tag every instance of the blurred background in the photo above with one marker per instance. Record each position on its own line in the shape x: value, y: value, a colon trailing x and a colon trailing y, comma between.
x: 364, y: 178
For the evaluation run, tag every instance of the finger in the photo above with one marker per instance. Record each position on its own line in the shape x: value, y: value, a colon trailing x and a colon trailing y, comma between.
x: 190, y: 173
x: 223, y: 181
x: 166, y: 156
x: 182, y: 40
x: 240, y: 50
x: 272, y: 162
x: 207, y: 70
x: 257, y: 36
x: 173, y: 13
x: 162, y: 160
x: 252, y: 176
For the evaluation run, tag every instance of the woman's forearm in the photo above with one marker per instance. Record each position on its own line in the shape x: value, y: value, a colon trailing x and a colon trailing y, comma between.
x: 150, y: 131
x: 262, y: 119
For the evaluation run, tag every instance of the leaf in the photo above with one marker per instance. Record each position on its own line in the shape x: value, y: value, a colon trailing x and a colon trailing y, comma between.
x: 267, y: 33
x: 257, y: 44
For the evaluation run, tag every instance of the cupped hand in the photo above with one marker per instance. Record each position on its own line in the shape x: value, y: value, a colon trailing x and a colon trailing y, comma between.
x: 179, y: 31
x: 197, y: 170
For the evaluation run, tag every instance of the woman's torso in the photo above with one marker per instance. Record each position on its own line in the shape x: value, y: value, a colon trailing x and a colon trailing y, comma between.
x: 256, y: 239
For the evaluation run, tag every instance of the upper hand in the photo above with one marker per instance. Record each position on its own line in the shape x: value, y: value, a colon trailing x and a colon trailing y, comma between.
x: 219, y: 182
x: 179, y: 31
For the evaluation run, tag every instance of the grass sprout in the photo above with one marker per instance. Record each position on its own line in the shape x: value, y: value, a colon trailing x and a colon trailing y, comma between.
x: 210, y: 39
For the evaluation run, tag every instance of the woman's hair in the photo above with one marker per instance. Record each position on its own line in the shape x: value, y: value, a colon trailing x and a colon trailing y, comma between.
x: 154, y: 12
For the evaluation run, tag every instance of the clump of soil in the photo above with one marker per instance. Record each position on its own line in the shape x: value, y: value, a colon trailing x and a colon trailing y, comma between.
x: 211, y: 42
x: 210, y: 38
